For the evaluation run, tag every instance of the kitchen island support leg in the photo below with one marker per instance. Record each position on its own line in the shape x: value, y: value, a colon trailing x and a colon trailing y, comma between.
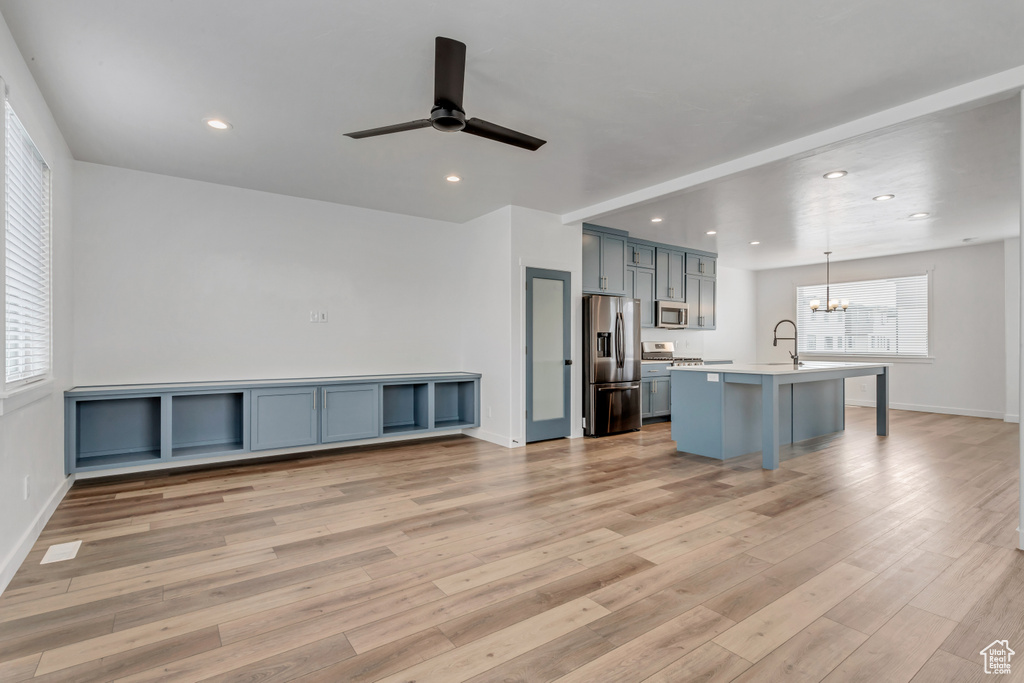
x: 882, y: 403
x: 769, y: 423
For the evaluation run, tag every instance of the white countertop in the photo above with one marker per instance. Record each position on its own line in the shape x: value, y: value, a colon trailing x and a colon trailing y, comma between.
x: 808, y: 367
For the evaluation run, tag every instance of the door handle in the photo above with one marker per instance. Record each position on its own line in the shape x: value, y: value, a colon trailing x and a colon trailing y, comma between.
x: 654, y: 387
x: 620, y: 342
x: 615, y: 388
x: 315, y: 392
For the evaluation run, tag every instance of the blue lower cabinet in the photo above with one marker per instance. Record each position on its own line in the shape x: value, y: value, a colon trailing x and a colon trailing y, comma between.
x: 349, y: 411
x: 284, y: 417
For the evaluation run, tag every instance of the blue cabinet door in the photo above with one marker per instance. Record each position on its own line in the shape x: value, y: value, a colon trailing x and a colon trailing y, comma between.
x: 707, y: 304
x: 349, y: 411
x: 613, y: 264
x: 643, y: 289
x: 697, y: 264
x: 661, y: 396
x: 641, y: 255
x: 645, y: 398
x: 670, y: 267
x: 592, y: 279
x: 700, y: 294
x: 284, y: 417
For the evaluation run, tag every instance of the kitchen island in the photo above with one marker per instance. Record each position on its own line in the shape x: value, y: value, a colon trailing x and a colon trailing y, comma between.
x: 724, y: 413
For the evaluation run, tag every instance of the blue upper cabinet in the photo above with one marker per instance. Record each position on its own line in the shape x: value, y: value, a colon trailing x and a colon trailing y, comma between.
x: 643, y: 289
x: 592, y: 278
x: 283, y: 418
x: 700, y: 295
x: 604, y: 262
x: 670, y: 275
x: 640, y: 255
x: 698, y: 264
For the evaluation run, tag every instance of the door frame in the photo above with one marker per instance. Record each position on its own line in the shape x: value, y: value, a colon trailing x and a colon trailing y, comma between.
x: 548, y: 429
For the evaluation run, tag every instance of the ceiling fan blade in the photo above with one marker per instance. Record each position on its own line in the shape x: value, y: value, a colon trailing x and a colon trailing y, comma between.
x: 493, y: 131
x: 449, y: 72
x: 384, y: 130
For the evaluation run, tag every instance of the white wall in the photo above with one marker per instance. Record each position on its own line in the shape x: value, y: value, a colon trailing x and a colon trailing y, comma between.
x: 1011, y: 277
x: 182, y: 280
x: 967, y: 327
x: 539, y: 240
x: 487, y: 322
x: 735, y: 324
x: 31, y: 436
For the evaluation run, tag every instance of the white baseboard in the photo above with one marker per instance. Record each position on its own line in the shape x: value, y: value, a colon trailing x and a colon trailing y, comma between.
x: 945, y: 410
x: 10, y: 565
x: 490, y: 437
x: 1011, y: 418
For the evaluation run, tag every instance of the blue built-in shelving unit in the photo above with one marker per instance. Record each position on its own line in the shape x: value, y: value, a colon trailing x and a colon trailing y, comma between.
x: 164, y: 424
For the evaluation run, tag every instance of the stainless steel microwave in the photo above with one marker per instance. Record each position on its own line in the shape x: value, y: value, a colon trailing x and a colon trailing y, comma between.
x: 671, y: 315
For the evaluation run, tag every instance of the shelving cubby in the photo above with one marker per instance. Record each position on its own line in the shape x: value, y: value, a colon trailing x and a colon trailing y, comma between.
x: 406, y: 408
x: 455, y: 404
x: 207, y: 423
x: 117, y: 431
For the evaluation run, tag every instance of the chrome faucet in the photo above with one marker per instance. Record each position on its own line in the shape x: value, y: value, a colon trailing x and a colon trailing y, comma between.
x: 776, y: 338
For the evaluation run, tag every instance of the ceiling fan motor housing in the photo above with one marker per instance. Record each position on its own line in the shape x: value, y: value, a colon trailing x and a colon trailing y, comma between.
x: 448, y: 120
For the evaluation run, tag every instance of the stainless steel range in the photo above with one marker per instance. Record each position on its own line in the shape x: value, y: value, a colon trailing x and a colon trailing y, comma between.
x: 665, y: 351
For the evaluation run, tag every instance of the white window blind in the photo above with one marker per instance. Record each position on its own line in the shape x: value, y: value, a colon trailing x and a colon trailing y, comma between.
x: 885, y: 318
x: 27, y: 255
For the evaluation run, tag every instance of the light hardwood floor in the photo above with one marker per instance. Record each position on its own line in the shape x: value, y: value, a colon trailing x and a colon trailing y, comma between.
x: 615, y: 559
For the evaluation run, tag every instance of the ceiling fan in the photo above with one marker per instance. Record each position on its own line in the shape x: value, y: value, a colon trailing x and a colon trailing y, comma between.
x: 448, y: 114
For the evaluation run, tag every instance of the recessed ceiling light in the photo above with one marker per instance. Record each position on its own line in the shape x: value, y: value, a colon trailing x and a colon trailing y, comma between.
x: 656, y: 220
x: 755, y: 242
x: 884, y: 197
x: 219, y: 124
x: 453, y: 178
x: 832, y: 175
x: 711, y: 232
x: 920, y: 214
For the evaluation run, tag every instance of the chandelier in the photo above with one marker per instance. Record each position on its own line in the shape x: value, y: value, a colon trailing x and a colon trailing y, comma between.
x: 831, y: 304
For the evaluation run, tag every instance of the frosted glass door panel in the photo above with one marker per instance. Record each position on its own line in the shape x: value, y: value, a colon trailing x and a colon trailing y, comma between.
x: 548, y: 354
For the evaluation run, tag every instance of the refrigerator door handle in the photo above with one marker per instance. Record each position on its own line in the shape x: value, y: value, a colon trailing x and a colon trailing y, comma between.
x: 629, y: 387
x: 620, y: 342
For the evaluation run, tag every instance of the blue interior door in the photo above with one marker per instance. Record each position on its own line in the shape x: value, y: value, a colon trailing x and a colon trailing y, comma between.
x: 548, y: 354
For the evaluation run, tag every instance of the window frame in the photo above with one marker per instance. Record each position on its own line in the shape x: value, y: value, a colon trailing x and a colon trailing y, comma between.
x: 26, y: 389
x: 929, y: 276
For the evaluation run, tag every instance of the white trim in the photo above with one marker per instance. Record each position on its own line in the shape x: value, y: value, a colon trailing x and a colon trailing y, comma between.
x: 10, y: 565
x: 25, y: 395
x: 490, y: 437
x: 1011, y: 418
x: 990, y: 86
x: 944, y: 410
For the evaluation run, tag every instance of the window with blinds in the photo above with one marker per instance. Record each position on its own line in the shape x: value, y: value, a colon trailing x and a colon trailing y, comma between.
x: 885, y: 318
x: 27, y: 256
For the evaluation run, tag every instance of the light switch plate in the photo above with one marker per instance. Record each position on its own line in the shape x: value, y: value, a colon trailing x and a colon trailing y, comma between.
x: 712, y: 376
x: 61, y: 552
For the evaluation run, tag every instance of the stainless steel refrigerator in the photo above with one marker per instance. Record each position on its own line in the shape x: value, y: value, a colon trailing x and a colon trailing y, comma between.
x: 611, y: 363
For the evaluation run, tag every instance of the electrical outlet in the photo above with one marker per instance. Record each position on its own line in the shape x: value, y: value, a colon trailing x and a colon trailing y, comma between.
x: 27, y: 491
x: 314, y: 317
x: 323, y: 316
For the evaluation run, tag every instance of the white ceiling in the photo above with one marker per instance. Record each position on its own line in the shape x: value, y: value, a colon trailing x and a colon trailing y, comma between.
x: 962, y: 167
x: 627, y: 95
